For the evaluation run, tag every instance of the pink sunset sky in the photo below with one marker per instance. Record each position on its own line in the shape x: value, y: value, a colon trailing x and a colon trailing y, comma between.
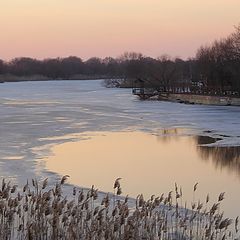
x: 86, y: 28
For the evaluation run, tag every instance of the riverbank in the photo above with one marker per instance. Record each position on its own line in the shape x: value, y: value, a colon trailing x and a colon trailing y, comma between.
x: 207, y: 100
x: 194, y: 99
x: 34, y: 78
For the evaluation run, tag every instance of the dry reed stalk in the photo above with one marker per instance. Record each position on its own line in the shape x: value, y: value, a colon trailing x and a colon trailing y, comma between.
x: 42, y: 212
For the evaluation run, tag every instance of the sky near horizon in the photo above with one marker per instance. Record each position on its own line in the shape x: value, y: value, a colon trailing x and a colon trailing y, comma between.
x: 87, y: 28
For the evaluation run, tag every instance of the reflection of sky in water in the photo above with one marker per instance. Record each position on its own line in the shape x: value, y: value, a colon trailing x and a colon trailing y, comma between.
x: 149, y: 164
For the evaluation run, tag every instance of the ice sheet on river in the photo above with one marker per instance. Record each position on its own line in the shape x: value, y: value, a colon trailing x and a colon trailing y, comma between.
x: 36, y: 115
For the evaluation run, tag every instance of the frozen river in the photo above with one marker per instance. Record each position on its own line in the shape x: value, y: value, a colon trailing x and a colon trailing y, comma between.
x: 35, y: 117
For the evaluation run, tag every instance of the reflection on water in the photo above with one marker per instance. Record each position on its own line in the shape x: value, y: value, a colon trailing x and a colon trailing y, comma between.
x: 203, y: 140
x: 150, y: 164
x: 14, y: 158
x: 222, y: 157
x: 170, y: 131
x: 167, y: 134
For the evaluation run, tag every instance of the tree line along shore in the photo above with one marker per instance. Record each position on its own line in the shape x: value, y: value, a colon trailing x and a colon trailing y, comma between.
x: 215, y: 68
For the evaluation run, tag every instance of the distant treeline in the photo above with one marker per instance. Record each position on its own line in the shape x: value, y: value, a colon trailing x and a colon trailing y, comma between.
x: 215, y: 67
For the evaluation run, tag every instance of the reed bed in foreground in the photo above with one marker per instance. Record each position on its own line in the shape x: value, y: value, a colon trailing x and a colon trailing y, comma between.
x: 39, y: 212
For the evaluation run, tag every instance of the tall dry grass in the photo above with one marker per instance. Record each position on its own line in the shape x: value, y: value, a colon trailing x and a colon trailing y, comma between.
x: 39, y: 212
